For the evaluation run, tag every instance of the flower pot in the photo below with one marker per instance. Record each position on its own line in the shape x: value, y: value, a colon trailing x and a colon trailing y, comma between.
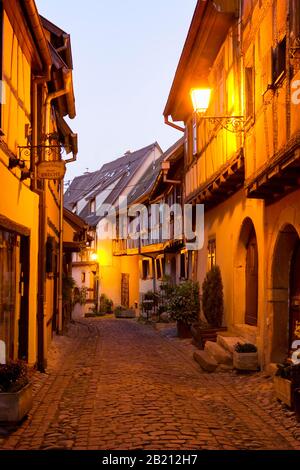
x: 15, y: 406
x: 284, y: 390
x: 183, y: 330
x: 245, y: 361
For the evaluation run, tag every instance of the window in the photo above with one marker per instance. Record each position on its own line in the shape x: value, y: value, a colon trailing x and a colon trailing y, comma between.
x: 295, y: 20
x: 211, y: 259
x: 93, y: 205
x: 219, y: 77
x: 195, y: 132
x: 279, y: 60
x: 74, y: 208
x: 146, y: 269
x: 83, y: 277
x: 249, y: 91
x: 8, y: 287
x: 160, y: 267
x: 183, y: 273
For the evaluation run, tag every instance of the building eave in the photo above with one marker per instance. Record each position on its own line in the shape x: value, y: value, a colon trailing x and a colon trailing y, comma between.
x: 207, y: 32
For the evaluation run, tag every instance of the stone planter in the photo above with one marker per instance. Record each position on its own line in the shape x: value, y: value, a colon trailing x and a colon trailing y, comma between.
x: 284, y: 391
x: 183, y: 330
x: 245, y: 361
x: 15, y: 406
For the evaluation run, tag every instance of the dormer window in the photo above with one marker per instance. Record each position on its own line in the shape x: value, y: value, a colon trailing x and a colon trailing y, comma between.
x: 93, y: 206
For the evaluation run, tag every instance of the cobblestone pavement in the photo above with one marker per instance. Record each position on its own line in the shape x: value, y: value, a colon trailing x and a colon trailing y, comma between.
x: 119, y: 384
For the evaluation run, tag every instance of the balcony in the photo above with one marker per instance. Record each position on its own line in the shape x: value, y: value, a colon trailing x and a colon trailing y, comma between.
x: 278, y: 176
x: 119, y: 247
x: 225, y: 182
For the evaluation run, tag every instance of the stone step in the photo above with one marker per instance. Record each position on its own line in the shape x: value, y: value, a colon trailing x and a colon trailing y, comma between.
x: 221, y: 355
x: 207, y: 362
x: 228, y: 342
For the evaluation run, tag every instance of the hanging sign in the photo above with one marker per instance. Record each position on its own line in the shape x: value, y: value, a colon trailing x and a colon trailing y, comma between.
x: 51, y: 170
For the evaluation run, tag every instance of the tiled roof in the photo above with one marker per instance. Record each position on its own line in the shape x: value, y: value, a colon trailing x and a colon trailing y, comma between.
x: 90, y: 185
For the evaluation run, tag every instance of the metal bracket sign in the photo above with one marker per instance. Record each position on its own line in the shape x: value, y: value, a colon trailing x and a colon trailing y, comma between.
x: 54, y: 170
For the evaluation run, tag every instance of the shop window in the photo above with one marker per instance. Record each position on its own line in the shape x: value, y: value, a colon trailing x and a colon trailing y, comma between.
x: 211, y: 261
x: 8, y: 243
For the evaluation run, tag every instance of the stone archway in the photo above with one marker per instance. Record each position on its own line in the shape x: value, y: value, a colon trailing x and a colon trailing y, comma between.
x: 246, y: 276
x: 286, y: 244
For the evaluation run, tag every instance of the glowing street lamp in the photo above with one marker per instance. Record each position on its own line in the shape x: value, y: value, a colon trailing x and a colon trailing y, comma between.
x: 94, y: 257
x: 200, y: 99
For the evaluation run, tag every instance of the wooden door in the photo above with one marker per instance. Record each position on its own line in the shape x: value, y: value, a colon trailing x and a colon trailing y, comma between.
x: 251, y: 281
x: 125, y: 290
x: 294, y: 320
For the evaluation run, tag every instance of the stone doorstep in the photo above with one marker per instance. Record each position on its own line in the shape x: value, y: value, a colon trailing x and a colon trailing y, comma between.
x: 220, y: 354
x: 228, y: 342
x: 205, y: 360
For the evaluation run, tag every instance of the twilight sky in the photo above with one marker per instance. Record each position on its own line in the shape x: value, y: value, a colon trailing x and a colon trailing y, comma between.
x: 125, y: 54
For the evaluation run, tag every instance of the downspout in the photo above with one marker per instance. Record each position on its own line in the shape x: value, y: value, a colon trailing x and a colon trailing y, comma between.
x: 49, y: 99
x: 175, y: 126
x: 42, y: 237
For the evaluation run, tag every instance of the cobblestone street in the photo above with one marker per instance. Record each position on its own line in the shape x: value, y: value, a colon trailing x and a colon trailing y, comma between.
x: 119, y: 384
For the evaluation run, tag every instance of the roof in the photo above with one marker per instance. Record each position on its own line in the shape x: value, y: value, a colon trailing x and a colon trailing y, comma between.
x: 89, y: 185
x: 145, y: 187
x: 74, y: 219
x: 209, y: 27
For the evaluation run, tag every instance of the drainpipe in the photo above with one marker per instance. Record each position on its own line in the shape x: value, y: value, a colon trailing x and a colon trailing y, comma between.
x: 41, y: 365
x: 53, y: 96
x: 175, y: 126
x: 49, y: 99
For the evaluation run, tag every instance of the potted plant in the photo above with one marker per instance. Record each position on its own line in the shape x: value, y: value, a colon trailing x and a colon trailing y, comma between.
x: 106, y: 304
x: 213, y: 308
x: 183, y: 306
x: 245, y: 357
x: 286, y: 381
x: 15, y: 392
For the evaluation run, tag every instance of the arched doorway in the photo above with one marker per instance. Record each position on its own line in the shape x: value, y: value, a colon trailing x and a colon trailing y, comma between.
x: 285, y: 291
x: 246, y: 276
x: 294, y: 310
x: 251, y: 279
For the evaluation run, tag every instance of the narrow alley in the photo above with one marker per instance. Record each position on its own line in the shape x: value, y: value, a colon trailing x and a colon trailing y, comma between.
x: 120, y: 384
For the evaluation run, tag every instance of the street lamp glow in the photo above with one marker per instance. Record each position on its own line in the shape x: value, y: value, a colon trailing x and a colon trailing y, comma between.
x: 94, y: 257
x: 200, y: 99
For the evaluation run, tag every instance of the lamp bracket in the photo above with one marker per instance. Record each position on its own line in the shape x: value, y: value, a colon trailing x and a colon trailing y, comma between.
x: 230, y: 123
